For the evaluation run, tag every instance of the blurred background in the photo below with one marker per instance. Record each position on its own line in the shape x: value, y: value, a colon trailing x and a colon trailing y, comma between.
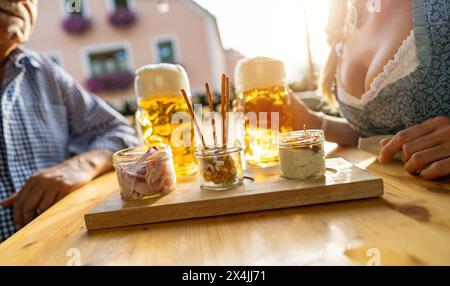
x: 102, y: 42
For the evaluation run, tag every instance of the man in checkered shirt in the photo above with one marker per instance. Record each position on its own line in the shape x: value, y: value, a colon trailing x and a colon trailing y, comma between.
x: 45, y: 118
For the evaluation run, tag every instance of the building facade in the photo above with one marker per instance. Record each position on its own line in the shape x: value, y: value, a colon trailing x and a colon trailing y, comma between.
x: 102, y: 42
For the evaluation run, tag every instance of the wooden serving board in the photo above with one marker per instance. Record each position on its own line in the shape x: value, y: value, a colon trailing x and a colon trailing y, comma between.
x: 342, y: 182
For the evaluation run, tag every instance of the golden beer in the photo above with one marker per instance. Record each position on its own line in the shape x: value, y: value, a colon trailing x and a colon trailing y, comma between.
x: 159, y: 99
x: 265, y: 101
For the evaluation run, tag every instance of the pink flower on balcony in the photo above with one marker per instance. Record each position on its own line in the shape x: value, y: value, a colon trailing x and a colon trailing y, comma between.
x: 110, y: 82
x: 76, y: 24
x: 122, y: 18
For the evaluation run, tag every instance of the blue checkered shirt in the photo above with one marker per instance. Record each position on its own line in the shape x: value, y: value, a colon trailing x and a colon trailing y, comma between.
x: 46, y: 117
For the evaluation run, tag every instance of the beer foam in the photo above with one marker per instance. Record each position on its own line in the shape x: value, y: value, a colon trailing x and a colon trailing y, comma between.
x: 161, y: 79
x: 259, y: 72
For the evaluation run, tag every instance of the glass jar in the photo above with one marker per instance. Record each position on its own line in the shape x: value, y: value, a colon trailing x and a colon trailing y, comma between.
x: 145, y: 172
x: 220, y: 167
x: 302, y: 154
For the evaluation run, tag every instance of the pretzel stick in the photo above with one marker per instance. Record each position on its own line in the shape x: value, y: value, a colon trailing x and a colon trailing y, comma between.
x: 222, y: 108
x: 227, y: 93
x: 227, y: 106
x: 211, y: 109
x: 193, y: 116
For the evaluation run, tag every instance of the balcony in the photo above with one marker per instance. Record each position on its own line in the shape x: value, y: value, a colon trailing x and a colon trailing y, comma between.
x: 76, y: 24
x: 121, y: 80
x: 122, y: 18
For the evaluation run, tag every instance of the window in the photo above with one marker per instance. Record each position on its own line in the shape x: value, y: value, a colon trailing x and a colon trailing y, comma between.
x: 108, y: 67
x: 121, y: 13
x: 121, y: 4
x: 76, y: 16
x: 166, y: 52
x: 108, y: 62
x: 165, y: 49
x: 114, y: 5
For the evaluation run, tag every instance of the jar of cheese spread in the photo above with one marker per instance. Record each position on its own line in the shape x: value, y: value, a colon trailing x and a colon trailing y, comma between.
x: 302, y: 154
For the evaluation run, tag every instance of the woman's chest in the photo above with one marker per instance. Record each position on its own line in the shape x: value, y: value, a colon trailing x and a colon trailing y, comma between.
x: 367, y: 50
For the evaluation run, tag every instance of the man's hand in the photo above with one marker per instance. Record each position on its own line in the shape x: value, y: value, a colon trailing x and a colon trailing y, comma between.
x: 48, y: 186
x: 425, y: 146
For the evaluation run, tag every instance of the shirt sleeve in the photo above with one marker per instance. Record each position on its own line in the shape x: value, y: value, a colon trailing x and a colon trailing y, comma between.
x: 93, y: 125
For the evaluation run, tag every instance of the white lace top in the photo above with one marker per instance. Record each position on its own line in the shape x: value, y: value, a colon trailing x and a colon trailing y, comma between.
x: 415, y: 85
x: 402, y: 64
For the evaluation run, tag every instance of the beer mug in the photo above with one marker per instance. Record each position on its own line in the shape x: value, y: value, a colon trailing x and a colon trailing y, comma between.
x: 160, y: 108
x: 262, y: 94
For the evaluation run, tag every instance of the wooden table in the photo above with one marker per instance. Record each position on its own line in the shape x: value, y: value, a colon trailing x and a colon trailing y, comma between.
x: 409, y: 225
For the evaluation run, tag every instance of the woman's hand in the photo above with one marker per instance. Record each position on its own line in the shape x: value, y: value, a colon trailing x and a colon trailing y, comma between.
x: 48, y: 186
x: 302, y: 115
x: 425, y: 146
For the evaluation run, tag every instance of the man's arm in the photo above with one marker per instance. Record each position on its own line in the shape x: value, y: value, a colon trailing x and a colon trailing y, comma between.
x: 48, y: 186
x: 95, y: 132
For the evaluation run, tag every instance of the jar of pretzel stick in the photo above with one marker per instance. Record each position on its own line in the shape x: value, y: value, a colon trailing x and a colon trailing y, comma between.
x: 220, y: 166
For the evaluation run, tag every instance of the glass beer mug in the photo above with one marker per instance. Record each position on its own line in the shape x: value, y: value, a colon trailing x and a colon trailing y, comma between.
x: 158, y: 90
x: 263, y: 96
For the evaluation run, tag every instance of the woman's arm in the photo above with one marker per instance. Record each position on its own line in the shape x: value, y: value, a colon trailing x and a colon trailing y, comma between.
x: 336, y: 130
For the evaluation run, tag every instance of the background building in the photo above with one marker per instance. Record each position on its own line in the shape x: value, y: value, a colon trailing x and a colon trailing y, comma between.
x: 101, y: 43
